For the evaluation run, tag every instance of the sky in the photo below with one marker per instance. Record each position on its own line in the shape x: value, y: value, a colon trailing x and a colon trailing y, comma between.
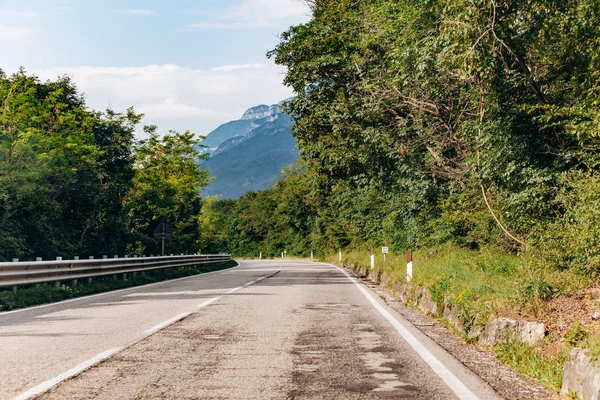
x: 187, y: 65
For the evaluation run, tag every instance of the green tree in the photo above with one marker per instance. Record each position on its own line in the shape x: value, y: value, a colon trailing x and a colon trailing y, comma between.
x: 166, y: 184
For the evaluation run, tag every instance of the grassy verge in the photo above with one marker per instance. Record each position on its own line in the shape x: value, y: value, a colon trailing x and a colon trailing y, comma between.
x: 48, y: 293
x: 491, y: 283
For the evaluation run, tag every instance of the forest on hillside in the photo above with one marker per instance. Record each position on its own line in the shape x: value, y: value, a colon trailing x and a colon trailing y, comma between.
x: 475, y: 123
x: 75, y: 182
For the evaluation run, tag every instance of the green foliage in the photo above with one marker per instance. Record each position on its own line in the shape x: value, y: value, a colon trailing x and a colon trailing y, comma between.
x: 166, y: 184
x: 70, y: 177
x: 429, y: 122
x: 546, y: 368
x: 576, y: 335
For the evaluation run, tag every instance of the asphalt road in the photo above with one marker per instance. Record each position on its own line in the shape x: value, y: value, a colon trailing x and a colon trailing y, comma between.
x: 305, y: 331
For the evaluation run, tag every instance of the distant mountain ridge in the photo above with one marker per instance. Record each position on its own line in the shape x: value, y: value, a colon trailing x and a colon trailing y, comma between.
x: 248, y: 154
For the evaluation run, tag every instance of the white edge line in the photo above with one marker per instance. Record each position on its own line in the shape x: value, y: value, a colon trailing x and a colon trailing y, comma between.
x: 45, y: 386
x: 234, y: 290
x: 166, y: 323
x: 457, y: 386
x: 2, y: 313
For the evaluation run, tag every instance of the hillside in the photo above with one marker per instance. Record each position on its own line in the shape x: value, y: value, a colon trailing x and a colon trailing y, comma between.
x: 253, y: 161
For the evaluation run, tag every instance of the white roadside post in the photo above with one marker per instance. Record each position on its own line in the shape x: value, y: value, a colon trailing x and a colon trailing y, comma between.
x: 385, y: 250
x: 409, y: 267
x: 311, y: 255
x: 340, y: 256
x: 373, y: 258
x: 260, y: 256
x: 282, y: 254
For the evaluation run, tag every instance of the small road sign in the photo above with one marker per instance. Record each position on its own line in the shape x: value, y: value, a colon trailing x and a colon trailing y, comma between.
x: 385, y: 250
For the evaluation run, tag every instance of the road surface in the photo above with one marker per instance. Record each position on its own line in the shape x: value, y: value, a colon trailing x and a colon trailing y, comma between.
x: 263, y: 330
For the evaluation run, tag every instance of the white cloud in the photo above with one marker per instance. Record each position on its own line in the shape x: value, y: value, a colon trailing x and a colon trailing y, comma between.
x: 175, y: 97
x: 8, y: 32
x: 140, y: 12
x: 252, y: 14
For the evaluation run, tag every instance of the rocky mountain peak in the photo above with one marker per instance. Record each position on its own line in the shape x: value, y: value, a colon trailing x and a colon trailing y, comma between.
x: 261, y: 112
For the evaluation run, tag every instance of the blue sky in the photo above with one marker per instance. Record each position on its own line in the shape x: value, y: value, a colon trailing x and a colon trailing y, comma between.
x: 185, y: 64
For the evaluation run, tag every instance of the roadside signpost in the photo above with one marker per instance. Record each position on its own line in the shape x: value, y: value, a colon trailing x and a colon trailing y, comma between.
x: 385, y: 250
x: 163, y: 232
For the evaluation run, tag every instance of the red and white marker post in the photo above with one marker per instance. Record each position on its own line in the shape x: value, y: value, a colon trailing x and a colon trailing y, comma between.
x: 409, y: 267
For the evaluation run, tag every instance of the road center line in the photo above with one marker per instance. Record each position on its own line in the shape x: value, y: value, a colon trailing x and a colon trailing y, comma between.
x: 43, y: 387
x: 166, y: 323
x: 436, y: 365
x: 207, y: 302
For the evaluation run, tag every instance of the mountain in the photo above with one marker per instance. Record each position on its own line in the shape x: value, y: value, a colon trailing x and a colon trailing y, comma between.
x: 252, y: 118
x: 250, y: 156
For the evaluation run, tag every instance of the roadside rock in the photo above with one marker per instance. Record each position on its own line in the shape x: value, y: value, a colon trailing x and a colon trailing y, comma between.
x: 500, y: 329
x: 450, y: 314
x: 581, y: 376
x: 425, y: 303
x: 376, y: 277
x: 474, y: 333
x: 386, y: 280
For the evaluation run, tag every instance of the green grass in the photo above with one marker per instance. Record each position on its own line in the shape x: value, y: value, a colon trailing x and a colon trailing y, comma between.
x: 48, y: 293
x: 481, y: 283
x: 546, y: 369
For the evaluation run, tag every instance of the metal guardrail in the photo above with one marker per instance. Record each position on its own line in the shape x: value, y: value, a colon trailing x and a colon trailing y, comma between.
x: 13, y: 274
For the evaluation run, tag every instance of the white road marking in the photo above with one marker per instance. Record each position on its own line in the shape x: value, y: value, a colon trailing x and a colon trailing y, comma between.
x: 166, y: 323
x: 436, y: 365
x: 235, y: 289
x: 45, y: 386
x: 207, y: 302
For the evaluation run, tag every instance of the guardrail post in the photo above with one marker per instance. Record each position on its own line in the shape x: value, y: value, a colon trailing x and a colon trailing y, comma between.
x: 115, y: 256
x: 38, y: 259
x: 58, y: 258
x: 15, y: 260
x: 90, y: 280
x: 15, y: 289
x: 91, y: 257
x: 76, y: 258
x: 57, y: 284
x: 125, y: 276
x: 74, y: 282
x: 104, y: 257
